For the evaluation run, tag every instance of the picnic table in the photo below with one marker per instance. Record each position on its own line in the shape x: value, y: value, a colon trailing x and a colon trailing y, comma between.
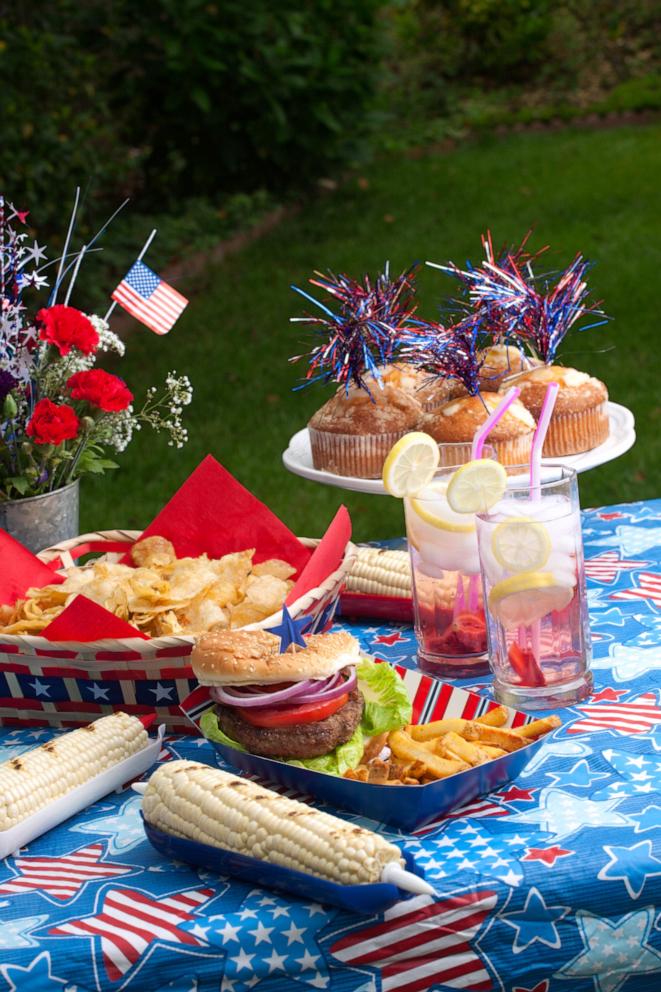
x: 552, y: 883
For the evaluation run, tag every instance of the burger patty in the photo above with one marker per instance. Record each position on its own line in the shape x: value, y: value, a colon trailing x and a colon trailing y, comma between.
x: 300, y: 740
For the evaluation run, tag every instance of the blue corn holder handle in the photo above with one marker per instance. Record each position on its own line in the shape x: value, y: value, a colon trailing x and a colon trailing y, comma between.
x: 366, y: 898
x: 405, y: 806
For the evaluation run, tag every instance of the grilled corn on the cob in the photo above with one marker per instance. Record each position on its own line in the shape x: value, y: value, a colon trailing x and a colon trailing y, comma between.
x: 34, y: 779
x: 380, y: 572
x: 191, y: 800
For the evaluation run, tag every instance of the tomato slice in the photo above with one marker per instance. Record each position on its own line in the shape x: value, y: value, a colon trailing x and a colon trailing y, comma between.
x: 284, y: 716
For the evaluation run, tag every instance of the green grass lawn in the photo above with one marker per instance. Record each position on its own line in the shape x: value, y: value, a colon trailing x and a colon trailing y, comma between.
x: 594, y: 191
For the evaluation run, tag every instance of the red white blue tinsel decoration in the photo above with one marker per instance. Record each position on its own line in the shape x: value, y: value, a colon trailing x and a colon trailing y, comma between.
x: 364, y: 333
x: 448, y: 352
x: 503, y: 294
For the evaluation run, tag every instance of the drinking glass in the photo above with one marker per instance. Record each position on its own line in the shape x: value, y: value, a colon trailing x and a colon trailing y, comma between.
x: 450, y: 624
x: 531, y: 556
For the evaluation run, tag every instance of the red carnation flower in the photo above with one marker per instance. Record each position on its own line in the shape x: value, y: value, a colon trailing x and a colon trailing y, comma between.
x: 101, y: 389
x: 67, y: 328
x: 52, y: 423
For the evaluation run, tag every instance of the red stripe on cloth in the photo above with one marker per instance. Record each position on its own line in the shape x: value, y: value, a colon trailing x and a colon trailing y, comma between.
x: 471, y: 707
x: 118, y: 674
x: 13, y: 666
x: 9, y: 648
x: 73, y: 706
x: 20, y: 703
x: 11, y: 721
x: 57, y: 671
x: 441, y: 704
x: 185, y: 672
x: 182, y: 652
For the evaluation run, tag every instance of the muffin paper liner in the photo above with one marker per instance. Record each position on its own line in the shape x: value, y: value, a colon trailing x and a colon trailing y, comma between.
x: 352, y: 454
x: 570, y: 433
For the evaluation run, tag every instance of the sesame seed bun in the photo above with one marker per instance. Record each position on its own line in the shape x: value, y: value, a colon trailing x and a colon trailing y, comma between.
x: 244, y: 657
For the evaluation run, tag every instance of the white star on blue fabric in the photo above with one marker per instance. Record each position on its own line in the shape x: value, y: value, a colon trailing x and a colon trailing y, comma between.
x: 290, y: 630
x: 40, y: 688
x: 630, y: 865
x: 162, y: 692
x: 562, y: 814
x: 124, y: 828
x: 555, y: 749
x: 613, y: 950
x: 633, y: 540
x: 16, y: 933
x: 535, y: 922
x: 98, y: 692
x: 628, y: 663
x: 638, y: 773
x: 580, y: 776
x: 459, y: 850
x: 279, y: 939
x: 34, y: 978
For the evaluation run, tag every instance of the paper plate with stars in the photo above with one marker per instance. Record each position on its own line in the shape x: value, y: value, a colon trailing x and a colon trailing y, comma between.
x: 404, y: 806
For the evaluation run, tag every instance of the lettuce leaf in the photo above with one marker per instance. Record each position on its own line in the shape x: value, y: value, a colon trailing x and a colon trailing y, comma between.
x: 211, y: 729
x: 339, y: 760
x: 387, y: 704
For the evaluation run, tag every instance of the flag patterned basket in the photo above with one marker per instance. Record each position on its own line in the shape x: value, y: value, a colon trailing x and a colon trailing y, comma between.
x: 68, y: 683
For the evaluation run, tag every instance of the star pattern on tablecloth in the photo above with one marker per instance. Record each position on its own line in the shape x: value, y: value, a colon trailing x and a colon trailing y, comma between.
x: 35, y: 977
x: 63, y: 877
x: 123, y: 827
x: 632, y: 540
x: 638, y: 773
x: 535, y: 922
x: 555, y: 749
x: 631, y: 865
x: 613, y: 950
x: 15, y: 934
x: 628, y: 663
x: 269, y: 935
x: 542, y: 986
x: 648, y: 819
x: 562, y: 814
x: 130, y: 924
x: 547, y: 855
x: 579, y: 776
x: 468, y: 846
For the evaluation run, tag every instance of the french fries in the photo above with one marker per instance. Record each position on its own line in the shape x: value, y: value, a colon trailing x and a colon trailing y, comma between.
x: 426, y: 752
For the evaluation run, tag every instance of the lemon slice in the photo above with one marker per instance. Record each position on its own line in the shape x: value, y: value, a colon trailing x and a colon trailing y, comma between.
x: 521, y: 545
x: 421, y: 507
x: 477, y: 486
x: 411, y: 464
x: 524, y: 598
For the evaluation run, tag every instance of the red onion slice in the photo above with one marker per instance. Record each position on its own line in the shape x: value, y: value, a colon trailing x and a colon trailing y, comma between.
x: 334, y: 687
x: 234, y: 697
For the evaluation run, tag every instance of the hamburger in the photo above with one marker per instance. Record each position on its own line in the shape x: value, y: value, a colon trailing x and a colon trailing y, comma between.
x: 313, y: 705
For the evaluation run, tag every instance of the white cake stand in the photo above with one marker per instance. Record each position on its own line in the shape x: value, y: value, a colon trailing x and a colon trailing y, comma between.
x: 298, y: 456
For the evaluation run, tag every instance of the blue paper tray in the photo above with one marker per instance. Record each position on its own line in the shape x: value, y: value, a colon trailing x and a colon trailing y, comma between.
x: 405, y: 806
x: 367, y: 899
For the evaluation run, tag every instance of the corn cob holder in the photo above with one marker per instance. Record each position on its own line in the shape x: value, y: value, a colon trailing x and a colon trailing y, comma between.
x: 379, y: 585
x: 44, y: 786
x: 209, y: 817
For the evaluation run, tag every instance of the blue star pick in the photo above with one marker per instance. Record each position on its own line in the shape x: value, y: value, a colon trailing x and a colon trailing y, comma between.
x: 290, y: 630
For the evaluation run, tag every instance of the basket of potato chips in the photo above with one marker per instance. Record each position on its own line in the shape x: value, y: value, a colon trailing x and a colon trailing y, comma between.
x: 107, y: 620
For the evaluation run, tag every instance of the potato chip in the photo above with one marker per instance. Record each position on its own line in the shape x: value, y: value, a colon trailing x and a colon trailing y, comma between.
x: 162, y: 595
x: 274, y: 566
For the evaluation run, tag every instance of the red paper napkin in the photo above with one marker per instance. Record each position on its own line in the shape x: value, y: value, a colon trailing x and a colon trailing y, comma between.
x: 326, y: 557
x: 20, y: 570
x: 214, y: 513
x: 85, y: 620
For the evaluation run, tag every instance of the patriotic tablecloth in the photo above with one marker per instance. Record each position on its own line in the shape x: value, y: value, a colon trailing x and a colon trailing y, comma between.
x: 551, y: 885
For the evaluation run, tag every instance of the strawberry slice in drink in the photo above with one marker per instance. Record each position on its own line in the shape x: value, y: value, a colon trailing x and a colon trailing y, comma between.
x: 526, y: 666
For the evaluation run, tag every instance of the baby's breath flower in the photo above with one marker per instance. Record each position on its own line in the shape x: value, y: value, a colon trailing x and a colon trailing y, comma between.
x: 108, y: 340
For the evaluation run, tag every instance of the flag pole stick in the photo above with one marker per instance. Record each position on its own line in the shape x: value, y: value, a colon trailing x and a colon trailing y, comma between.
x: 142, y: 254
x: 53, y: 297
x: 74, y: 274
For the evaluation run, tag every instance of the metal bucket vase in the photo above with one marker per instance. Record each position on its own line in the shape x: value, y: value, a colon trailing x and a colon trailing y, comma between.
x: 41, y: 521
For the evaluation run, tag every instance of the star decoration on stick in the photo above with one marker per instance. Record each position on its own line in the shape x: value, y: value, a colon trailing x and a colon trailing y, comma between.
x: 290, y: 631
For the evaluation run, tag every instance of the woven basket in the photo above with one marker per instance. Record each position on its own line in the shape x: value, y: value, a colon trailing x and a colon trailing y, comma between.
x: 68, y: 683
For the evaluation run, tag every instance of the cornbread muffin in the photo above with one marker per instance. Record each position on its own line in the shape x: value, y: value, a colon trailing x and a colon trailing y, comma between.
x: 352, y: 433
x: 501, y: 361
x: 429, y: 391
x: 457, y: 421
x: 580, y: 415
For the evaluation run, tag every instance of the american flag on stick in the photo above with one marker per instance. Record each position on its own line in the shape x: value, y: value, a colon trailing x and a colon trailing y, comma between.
x: 148, y: 298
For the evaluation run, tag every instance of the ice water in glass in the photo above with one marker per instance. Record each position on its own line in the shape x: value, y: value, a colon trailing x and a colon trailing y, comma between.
x: 450, y: 623
x: 531, y: 555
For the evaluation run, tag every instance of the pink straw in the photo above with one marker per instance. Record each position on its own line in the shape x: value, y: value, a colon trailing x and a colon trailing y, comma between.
x: 500, y: 411
x: 539, y: 438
